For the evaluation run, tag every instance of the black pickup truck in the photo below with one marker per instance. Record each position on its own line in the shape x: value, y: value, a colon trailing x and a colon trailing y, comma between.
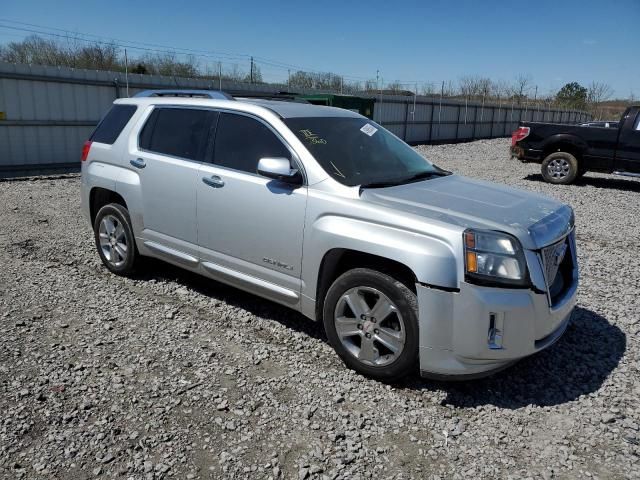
x: 567, y: 152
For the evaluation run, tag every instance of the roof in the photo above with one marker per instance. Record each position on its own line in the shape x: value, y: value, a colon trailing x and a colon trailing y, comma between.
x: 293, y: 109
x: 284, y: 109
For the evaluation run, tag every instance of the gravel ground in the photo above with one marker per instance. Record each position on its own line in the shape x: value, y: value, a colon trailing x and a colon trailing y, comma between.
x: 169, y: 375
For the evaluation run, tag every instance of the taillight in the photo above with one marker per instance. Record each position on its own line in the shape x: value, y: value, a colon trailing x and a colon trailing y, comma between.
x: 520, y: 134
x: 85, y: 150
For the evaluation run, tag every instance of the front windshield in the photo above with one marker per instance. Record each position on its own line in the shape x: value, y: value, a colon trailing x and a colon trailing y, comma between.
x: 357, y: 151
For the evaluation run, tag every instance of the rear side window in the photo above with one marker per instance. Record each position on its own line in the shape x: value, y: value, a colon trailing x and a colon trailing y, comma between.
x: 112, y: 124
x: 241, y: 141
x: 179, y: 132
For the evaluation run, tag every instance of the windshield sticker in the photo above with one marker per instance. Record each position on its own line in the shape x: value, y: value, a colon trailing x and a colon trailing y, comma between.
x: 312, y: 138
x: 369, y: 129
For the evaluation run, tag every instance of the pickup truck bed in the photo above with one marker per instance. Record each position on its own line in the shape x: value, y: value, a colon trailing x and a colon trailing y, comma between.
x: 568, y: 151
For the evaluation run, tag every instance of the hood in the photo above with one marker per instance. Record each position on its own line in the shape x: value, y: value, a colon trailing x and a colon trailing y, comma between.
x: 536, y: 220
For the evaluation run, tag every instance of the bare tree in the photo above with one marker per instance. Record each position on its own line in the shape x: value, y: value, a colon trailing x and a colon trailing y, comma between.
x: 521, y: 86
x: 395, y: 86
x: 468, y: 85
x: 598, y: 92
x: 500, y: 89
x: 428, y: 89
x: 475, y: 86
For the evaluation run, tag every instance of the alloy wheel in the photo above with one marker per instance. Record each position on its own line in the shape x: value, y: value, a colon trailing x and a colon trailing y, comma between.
x: 370, y: 326
x: 113, y: 240
x: 558, y: 168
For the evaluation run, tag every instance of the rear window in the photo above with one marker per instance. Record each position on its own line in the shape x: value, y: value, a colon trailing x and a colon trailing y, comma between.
x: 179, y: 132
x: 112, y: 124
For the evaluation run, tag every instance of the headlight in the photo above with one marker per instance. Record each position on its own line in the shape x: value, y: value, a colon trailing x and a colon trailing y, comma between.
x: 494, y: 258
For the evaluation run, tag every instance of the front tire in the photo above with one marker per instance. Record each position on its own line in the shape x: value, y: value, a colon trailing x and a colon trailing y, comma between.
x: 371, y: 320
x: 114, y: 239
x: 560, y: 168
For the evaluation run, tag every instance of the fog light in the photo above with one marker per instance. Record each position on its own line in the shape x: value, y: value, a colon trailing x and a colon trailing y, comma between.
x: 496, y: 328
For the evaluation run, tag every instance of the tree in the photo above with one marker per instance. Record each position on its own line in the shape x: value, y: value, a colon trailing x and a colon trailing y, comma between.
x: 395, y: 86
x: 598, y: 92
x: 521, y: 86
x: 139, y: 68
x: 257, y: 75
x: 474, y: 86
x: 428, y: 89
x: 572, y: 95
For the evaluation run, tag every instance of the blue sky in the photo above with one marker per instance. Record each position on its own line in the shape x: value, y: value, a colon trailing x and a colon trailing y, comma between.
x: 424, y: 41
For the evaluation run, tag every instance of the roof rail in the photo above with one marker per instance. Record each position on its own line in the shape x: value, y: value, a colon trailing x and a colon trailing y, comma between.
x: 214, y: 94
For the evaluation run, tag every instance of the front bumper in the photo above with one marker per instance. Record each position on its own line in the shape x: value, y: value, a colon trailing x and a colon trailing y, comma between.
x: 479, y: 330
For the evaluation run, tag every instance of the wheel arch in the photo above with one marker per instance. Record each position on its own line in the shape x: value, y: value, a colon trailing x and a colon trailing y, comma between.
x: 564, y: 143
x: 99, y: 197
x: 337, y: 261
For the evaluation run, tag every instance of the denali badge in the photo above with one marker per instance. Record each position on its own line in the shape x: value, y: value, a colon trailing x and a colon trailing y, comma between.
x: 276, y: 263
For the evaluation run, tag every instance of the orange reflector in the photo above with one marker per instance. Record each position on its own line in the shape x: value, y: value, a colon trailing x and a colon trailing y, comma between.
x: 472, y: 262
x: 470, y: 240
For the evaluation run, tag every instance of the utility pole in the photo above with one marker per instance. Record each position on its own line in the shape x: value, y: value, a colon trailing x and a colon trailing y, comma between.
x: 415, y: 96
x: 380, y: 92
x: 251, y: 74
x: 289, y: 79
x: 341, y: 84
x: 220, y: 76
x: 126, y: 70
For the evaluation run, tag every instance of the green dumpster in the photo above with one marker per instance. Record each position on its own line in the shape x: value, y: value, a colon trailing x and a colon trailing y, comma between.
x: 363, y: 106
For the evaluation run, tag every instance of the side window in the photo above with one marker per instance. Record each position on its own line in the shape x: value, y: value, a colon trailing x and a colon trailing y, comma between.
x: 241, y: 141
x: 179, y: 132
x: 112, y: 124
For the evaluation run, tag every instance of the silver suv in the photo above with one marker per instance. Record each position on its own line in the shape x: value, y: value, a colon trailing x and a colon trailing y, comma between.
x: 324, y: 211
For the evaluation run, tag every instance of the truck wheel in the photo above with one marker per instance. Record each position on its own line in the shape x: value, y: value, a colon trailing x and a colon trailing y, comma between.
x: 560, y: 168
x: 114, y: 239
x: 371, y: 320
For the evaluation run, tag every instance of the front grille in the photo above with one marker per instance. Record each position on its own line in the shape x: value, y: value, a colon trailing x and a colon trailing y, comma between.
x: 557, y: 262
x: 552, y: 258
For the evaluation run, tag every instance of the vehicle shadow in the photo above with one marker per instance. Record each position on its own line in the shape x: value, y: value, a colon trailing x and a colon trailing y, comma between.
x: 155, y: 269
x: 578, y: 364
x: 598, y: 182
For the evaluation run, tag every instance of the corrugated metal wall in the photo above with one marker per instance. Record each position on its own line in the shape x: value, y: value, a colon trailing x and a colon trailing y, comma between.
x: 46, y: 113
x: 431, y: 120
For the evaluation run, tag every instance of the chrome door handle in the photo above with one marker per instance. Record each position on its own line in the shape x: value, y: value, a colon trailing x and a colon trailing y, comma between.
x: 213, y: 181
x: 138, y: 163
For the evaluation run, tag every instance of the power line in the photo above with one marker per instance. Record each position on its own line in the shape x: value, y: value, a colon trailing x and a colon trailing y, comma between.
x: 157, y: 48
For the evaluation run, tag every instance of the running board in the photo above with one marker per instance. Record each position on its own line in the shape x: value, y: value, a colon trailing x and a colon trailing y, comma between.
x: 627, y: 174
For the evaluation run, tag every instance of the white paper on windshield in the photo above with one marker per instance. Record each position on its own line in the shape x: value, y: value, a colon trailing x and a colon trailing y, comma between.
x: 369, y: 129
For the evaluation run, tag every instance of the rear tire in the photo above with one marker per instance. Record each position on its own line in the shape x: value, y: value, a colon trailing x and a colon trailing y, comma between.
x: 560, y: 168
x: 115, y: 240
x: 371, y: 320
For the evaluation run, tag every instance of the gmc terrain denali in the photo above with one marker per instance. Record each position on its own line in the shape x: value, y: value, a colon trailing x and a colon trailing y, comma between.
x: 324, y: 211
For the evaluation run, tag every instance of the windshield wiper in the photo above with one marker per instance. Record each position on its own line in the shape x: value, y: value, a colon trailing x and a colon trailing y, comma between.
x: 410, y: 179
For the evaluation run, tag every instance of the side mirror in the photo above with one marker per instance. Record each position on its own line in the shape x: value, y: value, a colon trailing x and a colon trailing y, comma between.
x: 279, y: 168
